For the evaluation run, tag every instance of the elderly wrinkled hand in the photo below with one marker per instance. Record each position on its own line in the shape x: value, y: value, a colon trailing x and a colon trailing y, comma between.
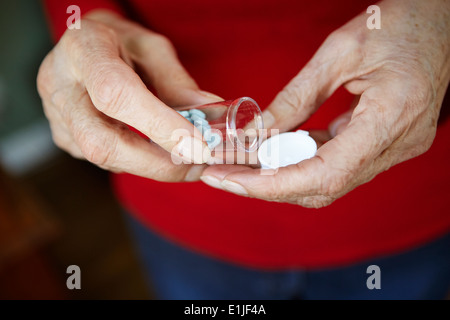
x: 93, y: 85
x: 398, y: 74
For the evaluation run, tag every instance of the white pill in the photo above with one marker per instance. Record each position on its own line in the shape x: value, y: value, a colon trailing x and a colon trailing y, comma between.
x: 286, y: 149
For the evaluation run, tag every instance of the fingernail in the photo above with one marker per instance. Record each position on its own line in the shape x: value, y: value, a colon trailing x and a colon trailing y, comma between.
x: 210, y: 95
x: 234, y: 187
x: 211, y: 181
x: 268, y: 119
x: 193, y: 150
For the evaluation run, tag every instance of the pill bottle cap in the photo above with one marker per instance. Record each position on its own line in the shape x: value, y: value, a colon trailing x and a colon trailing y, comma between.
x: 285, y: 149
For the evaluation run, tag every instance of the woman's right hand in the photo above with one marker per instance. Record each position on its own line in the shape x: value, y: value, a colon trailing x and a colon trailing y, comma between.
x: 91, y: 90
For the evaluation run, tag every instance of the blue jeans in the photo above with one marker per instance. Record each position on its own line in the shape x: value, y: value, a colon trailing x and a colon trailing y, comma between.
x: 177, y: 273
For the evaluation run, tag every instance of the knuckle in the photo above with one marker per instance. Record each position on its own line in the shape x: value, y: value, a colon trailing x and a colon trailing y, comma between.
x: 44, y: 76
x: 162, y: 131
x: 424, y: 145
x: 343, y: 40
x: 419, y: 101
x: 161, y: 41
x: 97, y: 148
x: 59, y: 97
x: 78, y: 47
x: 333, y: 183
x: 72, y: 41
x: 290, y: 98
x: 103, y: 30
x: 334, y: 186
x: 76, y: 40
x: 148, y: 41
x: 64, y: 142
x: 380, y: 121
x: 277, y: 190
x: 42, y: 80
x: 273, y: 189
x: 315, y: 202
x: 109, y: 92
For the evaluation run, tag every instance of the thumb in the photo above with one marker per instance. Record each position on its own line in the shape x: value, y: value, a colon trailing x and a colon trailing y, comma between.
x: 302, y: 96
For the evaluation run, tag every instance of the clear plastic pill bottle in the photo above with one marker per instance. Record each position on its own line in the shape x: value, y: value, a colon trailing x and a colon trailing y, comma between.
x: 229, y: 127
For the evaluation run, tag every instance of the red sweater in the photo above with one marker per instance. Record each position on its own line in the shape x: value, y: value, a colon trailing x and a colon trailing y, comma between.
x: 268, y: 42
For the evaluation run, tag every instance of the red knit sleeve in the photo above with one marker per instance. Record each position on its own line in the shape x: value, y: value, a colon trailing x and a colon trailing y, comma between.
x: 56, y: 12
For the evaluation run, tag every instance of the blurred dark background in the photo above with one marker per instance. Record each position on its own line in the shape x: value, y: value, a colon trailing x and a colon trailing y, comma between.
x: 55, y: 211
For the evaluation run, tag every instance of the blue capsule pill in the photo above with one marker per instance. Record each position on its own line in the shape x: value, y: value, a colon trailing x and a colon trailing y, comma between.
x: 204, y: 130
x: 214, y: 140
x: 207, y: 133
x: 196, y: 118
x: 185, y: 114
x: 197, y: 113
